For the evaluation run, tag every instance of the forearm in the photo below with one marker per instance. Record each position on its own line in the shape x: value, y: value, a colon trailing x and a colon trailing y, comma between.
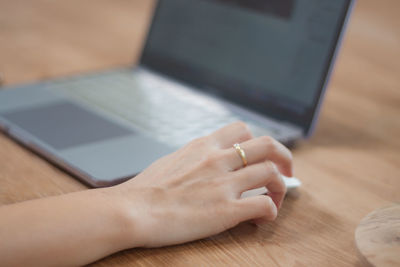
x: 72, y: 229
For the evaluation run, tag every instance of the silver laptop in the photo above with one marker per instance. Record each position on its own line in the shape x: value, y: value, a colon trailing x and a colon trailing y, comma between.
x: 205, y: 63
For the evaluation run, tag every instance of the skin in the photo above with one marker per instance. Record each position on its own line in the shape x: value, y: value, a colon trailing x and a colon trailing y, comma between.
x: 190, y: 194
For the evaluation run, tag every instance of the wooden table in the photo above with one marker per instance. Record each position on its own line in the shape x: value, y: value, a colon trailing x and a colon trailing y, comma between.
x: 350, y: 167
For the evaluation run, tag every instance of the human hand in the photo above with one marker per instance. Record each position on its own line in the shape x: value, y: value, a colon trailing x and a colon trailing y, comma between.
x: 195, y: 192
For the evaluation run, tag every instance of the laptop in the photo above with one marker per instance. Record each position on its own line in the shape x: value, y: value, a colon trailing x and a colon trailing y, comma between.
x: 205, y: 63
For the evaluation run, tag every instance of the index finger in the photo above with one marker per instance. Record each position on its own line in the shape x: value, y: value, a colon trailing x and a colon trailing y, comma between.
x: 231, y: 134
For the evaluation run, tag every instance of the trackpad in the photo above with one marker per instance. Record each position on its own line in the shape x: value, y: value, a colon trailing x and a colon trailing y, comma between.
x: 65, y: 124
x: 105, y: 150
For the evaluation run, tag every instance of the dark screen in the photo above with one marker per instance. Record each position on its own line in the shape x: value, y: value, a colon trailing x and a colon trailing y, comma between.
x: 270, y: 54
x: 65, y: 124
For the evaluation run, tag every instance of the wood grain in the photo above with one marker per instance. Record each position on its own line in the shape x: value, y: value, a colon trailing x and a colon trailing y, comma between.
x: 350, y: 167
x: 378, y: 237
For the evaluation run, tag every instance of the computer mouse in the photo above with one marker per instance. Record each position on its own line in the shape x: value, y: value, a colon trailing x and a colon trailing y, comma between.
x: 291, y: 184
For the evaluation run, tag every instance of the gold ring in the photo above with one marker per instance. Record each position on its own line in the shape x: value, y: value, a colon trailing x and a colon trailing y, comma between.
x: 241, y: 154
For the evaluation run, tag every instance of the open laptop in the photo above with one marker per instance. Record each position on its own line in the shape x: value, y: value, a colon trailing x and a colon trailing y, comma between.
x: 206, y: 63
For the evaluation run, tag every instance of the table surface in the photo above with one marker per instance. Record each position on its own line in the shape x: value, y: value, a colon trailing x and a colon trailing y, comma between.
x: 350, y: 167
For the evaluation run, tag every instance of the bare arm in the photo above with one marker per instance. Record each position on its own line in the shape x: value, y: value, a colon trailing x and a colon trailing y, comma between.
x: 190, y: 194
x: 67, y: 230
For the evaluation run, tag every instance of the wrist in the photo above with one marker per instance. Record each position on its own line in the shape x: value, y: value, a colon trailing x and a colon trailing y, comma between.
x: 125, y: 217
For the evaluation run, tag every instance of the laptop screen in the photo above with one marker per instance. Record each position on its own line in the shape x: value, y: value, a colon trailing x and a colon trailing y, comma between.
x: 271, y: 56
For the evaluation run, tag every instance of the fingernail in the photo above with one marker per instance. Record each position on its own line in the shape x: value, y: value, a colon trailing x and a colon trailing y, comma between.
x: 274, y: 210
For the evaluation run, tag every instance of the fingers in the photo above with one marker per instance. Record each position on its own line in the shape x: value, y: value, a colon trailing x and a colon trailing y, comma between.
x: 261, y: 149
x: 259, y: 175
x: 231, y: 134
x: 261, y: 208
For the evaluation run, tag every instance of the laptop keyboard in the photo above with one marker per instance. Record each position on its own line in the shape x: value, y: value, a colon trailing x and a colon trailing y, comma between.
x: 164, y: 110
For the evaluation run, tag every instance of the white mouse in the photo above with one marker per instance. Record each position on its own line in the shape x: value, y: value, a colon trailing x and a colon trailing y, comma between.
x: 291, y: 184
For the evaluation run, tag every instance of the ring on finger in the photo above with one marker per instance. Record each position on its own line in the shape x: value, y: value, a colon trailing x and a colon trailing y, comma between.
x: 241, y: 154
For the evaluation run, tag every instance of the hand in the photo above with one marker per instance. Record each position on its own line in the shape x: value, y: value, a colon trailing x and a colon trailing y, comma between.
x: 190, y: 194
x: 195, y: 192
